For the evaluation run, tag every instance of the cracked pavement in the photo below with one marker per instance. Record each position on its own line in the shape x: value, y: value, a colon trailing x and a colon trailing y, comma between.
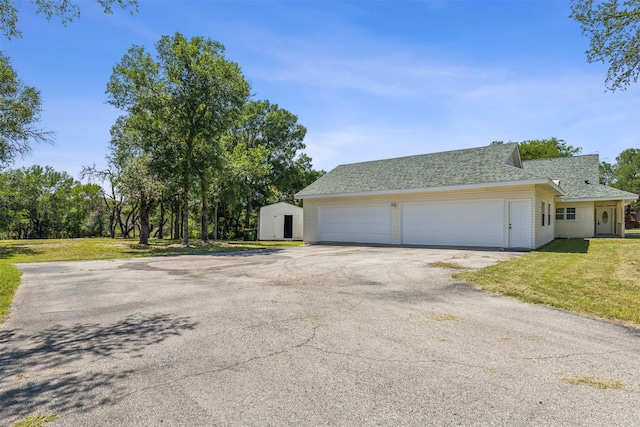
x: 313, y: 335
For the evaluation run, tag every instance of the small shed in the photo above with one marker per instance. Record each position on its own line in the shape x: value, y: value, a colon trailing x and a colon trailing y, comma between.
x: 280, y: 221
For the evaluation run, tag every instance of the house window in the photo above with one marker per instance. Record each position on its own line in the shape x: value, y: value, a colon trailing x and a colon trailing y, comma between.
x: 570, y: 213
x: 542, y: 210
x: 549, y: 214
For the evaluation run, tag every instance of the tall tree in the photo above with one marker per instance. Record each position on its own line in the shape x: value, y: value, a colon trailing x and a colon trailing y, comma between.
x: 65, y: 10
x: 613, y: 28
x: 544, y: 148
x: 186, y: 97
x: 274, y: 139
x: 20, y: 108
x: 137, y: 179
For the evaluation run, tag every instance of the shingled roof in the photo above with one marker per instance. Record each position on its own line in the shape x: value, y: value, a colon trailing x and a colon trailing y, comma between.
x: 578, y: 176
x: 493, y: 164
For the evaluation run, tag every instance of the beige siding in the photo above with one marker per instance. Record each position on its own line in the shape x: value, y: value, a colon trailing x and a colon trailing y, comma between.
x: 543, y: 234
x: 395, y: 200
x: 582, y: 226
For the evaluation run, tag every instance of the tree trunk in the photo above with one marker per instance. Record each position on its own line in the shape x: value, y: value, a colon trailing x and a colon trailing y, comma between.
x: 144, y: 220
x: 215, y: 220
x: 176, y: 220
x: 247, y: 213
x: 160, y: 233
x: 185, y: 216
x: 205, y: 212
x: 112, y: 217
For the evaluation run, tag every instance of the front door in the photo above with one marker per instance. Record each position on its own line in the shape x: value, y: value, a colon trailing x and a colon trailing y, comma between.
x: 605, y: 221
x: 520, y: 224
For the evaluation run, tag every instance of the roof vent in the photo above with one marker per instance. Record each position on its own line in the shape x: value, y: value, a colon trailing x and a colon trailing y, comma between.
x: 586, y: 181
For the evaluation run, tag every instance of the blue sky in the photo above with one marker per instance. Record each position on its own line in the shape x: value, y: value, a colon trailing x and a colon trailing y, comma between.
x: 369, y: 79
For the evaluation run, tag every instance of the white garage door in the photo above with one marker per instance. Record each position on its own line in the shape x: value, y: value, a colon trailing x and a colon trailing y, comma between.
x: 471, y: 223
x: 355, y: 224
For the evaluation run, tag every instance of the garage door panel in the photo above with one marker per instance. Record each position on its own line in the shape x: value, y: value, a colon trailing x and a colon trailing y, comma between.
x: 355, y: 224
x: 471, y: 223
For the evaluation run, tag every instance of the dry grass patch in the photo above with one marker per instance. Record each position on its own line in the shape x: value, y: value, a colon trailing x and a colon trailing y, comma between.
x: 449, y: 265
x: 442, y: 317
x: 596, y: 277
x: 602, y: 383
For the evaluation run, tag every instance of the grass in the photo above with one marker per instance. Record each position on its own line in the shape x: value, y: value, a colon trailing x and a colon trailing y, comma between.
x: 18, y: 251
x: 601, y: 383
x: 595, y: 277
x: 38, y: 420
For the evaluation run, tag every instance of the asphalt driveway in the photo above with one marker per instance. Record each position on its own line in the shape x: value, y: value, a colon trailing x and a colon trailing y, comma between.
x: 314, y: 335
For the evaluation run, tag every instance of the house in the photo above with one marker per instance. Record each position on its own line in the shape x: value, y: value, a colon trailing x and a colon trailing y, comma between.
x: 587, y: 208
x: 477, y: 197
x: 280, y: 221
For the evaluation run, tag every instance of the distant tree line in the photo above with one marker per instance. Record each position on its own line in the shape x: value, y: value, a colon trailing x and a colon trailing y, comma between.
x: 39, y: 203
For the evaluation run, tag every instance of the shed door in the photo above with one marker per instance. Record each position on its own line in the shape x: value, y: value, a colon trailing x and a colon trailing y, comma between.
x: 468, y: 223
x: 288, y: 226
x: 355, y: 224
x: 278, y: 226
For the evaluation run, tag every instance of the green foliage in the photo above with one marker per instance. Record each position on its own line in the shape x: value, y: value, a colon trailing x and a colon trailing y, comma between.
x: 9, y: 282
x: 606, y: 173
x: 625, y: 173
x: 265, y: 145
x: 544, y: 148
x: 136, y: 178
x: 20, y: 108
x: 181, y: 102
x: 65, y: 10
x: 42, y: 203
x: 613, y: 28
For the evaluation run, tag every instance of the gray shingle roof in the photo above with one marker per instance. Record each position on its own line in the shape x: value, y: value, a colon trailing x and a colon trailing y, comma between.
x: 578, y: 176
x: 481, y: 165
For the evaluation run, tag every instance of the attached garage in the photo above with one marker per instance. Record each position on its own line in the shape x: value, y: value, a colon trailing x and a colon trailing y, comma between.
x: 355, y: 224
x: 465, y: 223
x: 475, y: 197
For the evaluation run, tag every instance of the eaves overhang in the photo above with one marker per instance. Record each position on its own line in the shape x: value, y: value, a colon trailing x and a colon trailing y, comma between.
x: 539, y: 181
x: 595, y: 199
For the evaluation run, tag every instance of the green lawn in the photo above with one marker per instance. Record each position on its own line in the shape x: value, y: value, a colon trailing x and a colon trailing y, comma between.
x: 13, y: 251
x: 596, y: 277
